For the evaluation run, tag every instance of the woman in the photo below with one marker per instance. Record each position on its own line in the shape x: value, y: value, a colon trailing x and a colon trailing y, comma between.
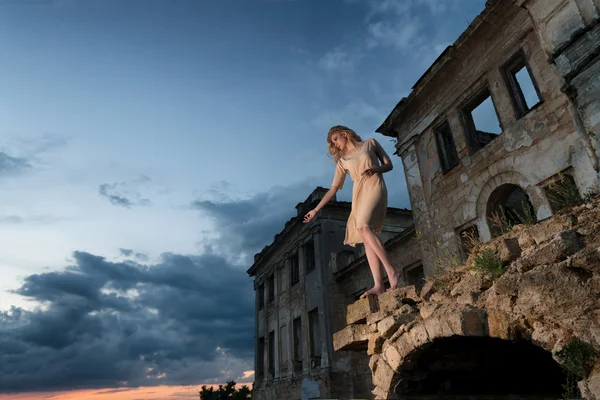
x: 365, y: 161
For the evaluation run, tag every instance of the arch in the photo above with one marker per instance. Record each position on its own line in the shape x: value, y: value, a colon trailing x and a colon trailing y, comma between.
x: 480, y: 366
x: 401, y: 358
x: 513, y: 178
x: 508, y: 205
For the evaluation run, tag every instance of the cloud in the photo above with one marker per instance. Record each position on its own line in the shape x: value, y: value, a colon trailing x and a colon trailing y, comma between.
x: 246, y: 225
x: 12, y: 165
x: 32, y: 146
x: 185, y: 319
x: 338, y: 60
x: 132, y: 254
x: 111, y: 324
x: 400, y: 34
x: 356, y: 111
x: 125, y: 194
x: 32, y: 219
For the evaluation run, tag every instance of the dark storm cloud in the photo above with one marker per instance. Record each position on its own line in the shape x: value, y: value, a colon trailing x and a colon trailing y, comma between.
x: 123, y: 194
x: 105, y: 324
x: 12, y: 165
x: 250, y: 224
x: 108, y: 324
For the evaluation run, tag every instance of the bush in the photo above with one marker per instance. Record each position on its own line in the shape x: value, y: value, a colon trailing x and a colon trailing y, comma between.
x: 487, y: 262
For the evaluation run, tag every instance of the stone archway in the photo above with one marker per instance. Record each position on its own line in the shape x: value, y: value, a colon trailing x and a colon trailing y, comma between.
x: 480, y: 366
x: 482, y: 190
x: 545, y: 298
x: 508, y: 205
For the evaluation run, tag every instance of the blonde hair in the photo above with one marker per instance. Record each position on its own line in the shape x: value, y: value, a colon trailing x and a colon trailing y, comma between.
x: 350, y: 135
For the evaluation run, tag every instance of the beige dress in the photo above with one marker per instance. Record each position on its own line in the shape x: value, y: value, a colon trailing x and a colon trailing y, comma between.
x: 369, y: 194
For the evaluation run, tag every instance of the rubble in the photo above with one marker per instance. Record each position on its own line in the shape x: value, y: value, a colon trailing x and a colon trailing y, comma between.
x: 548, y: 293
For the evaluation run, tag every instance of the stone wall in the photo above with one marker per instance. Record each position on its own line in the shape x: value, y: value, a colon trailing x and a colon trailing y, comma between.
x: 550, y: 138
x: 545, y: 294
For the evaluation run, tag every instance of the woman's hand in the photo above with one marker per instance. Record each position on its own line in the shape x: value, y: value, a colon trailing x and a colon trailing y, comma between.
x: 370, y: 172
x: 309, y: 216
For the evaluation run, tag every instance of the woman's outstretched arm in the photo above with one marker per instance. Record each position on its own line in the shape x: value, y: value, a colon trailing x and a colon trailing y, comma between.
x: 326, y: 198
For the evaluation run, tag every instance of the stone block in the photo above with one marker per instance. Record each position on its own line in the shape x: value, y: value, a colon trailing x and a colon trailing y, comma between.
x: 428, y: 309
x: 419, y: 335
x: 389, y: 325
x: 392, y: 357
x: 358, y: 311
x: 588, y: 259
x: 391, y: 300
x: 375, y: 344
x: 565, y: 244
x: 498, y: 324
x: 384, y: 376
x: 352, y: 337
x: 404, y: 345
x: 549, y: 229
x: 374, y: 318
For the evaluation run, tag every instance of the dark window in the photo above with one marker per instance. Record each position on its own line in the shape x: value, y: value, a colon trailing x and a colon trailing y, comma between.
x: 309, y: 256
x: 297, y: 343
x: 315, y: 333
x: 272, y: 354
x: 283, y: 347
x: 295, y: 269
x: 260, y: 358
x: 271, y: 288
x: 415, y: 276
x: 523, y: 89
x: 469, y: 237
x: 261, y: 296
x: 446, y: 147
x: 481, y: 120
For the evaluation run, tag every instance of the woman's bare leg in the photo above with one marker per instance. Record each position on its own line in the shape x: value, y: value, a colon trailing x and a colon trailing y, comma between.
x: 374, y: 242
x: 375, y: 266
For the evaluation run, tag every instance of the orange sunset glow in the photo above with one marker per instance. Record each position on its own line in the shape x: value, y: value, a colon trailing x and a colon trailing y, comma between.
x: 145, y: 393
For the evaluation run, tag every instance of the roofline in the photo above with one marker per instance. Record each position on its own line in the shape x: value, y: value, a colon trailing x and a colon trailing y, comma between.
x: 386, y: 127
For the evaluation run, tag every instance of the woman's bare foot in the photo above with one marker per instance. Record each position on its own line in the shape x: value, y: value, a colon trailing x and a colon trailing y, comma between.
x: 375, y: 290
x: 393, y: 281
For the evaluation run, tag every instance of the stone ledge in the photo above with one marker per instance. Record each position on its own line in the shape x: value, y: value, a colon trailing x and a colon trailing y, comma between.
x: 352, y: 337
x: 358, y: 311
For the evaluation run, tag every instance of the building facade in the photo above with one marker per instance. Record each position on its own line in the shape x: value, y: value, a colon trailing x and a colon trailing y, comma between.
x: 300, y: 302
x: 505, y: 116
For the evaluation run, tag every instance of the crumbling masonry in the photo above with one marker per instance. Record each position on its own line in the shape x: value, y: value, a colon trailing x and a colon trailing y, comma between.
x: 503, y: 130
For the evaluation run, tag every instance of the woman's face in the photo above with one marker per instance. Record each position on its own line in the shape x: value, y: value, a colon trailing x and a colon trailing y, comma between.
x: 339, y: 140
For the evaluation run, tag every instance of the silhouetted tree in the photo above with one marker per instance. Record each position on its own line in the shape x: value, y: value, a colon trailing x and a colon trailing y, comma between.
x: 226, y: 392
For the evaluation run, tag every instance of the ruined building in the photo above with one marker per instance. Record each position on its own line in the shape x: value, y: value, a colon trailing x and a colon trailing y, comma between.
x: 299, y: 303
x: 508, y: 111
x: 502, y: 130
x: 513, y: 103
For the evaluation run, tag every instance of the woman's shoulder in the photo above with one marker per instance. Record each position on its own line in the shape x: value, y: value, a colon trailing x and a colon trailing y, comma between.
x: 372, y: 141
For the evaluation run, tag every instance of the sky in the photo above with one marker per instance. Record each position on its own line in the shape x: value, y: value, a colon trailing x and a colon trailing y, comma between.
x: 148, y: 149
